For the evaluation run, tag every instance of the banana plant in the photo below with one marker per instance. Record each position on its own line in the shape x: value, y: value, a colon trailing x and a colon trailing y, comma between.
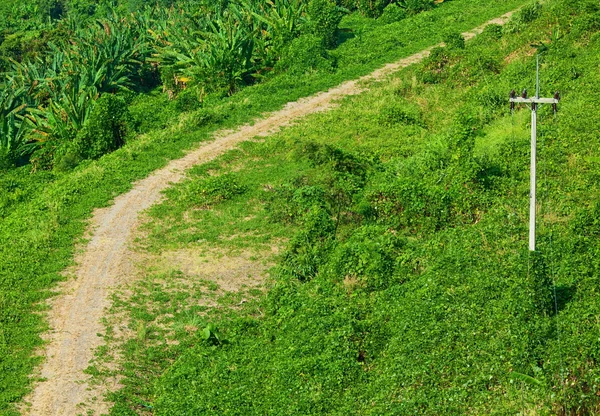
x: 12, y: 132
x: 282, y: 21
x: 230, y: 51
x: 62, y: 119
x: 106, y: 55
x: 219, y: 53
x: 12, y: 108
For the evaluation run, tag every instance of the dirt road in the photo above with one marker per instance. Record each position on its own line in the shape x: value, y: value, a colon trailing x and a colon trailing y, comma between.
x: 75, y: 316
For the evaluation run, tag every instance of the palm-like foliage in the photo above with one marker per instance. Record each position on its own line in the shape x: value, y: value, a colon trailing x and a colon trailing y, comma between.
x: 230, y: 46
x: 215, y: 53
x: 50, y: 98
x: 219, y: 46
x: 61, y: 119
x: 106, y: 55
x: 11, y: 125
x: 282, y: 21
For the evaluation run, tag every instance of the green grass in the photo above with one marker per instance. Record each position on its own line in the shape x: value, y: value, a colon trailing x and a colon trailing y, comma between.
x: 406, y: 286
x: 44, y: 214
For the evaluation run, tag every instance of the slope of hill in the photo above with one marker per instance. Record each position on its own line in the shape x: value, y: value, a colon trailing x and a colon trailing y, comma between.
x: 43, y: 211
x: 406, y: 286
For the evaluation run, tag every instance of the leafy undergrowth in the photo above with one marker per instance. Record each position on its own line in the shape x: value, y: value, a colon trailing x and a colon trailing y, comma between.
x: 406, y: 286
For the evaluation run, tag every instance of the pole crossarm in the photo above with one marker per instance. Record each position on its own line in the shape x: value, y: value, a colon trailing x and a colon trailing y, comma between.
x: 535, y: 100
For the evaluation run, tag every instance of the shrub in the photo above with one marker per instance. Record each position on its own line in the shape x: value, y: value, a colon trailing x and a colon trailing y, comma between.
x: 106, y: 129
x: 67, y: 161
x: 493, y: 31
x: 210, y: 115
x: 527, y: 14
x: 368, y: 256
x: 454, y: 40
x: 189, y: 99
x: 325, y: 17
x: 372, y: 8
x: 417, y: 6
x: 392, y: 13
x: 433, y: 69
x: 291, y: 202
x: 310, y: 247
x: 395, y: 113
x: 144, y: 115
x: 337, y: 159
x: 6, y: 159
x: 350, y: 5
x: 305, y: 53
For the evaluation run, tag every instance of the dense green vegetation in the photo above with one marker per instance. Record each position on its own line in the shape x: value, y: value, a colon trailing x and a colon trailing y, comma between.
x: 46, y: 198
x: 52, y: 81
x: 406, y: 286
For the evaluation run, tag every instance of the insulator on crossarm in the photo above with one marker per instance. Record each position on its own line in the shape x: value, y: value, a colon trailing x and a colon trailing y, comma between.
x: 513, y: 94
x: 524, y: 94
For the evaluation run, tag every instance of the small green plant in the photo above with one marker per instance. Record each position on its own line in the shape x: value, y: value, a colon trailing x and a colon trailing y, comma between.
x: 211, y: 335
x: 435, y: 66
x: 525, y: 15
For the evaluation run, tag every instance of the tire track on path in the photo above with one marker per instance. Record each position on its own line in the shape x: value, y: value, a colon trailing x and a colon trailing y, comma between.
x: 75, y: 316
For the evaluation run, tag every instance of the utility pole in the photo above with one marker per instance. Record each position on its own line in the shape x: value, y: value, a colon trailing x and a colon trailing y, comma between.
x: 535, y: 101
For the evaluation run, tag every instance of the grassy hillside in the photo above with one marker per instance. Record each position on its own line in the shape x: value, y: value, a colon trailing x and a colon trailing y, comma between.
x: 43, y: 212
x: 406, y: 286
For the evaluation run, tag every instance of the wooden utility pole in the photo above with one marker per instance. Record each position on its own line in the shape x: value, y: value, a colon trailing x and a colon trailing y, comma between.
x: 534, y: 102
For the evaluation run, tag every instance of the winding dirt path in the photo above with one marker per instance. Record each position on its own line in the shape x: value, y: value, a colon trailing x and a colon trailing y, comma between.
x: 75, y: 316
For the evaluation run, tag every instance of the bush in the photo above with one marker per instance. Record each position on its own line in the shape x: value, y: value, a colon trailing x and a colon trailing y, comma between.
x: 493, y: 31
x: 369, y: 256
x: 434, y: 67
x: 291, y: 202
x: 144, y: 115
x: 392, y: 13
x: 310, y: 247
x: 189, y: 99
x: 305, y: 53
x: 529, y: 12
x: 418, y: 6
x: 106, y: 129
x: 350, y: 5
x: 395, y: 114
x: 526, y: 15
x: 372, y: 8
x: 325, y: 17
x: 67, y: 161
x: 454, y: 40
x: 6, y: 159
